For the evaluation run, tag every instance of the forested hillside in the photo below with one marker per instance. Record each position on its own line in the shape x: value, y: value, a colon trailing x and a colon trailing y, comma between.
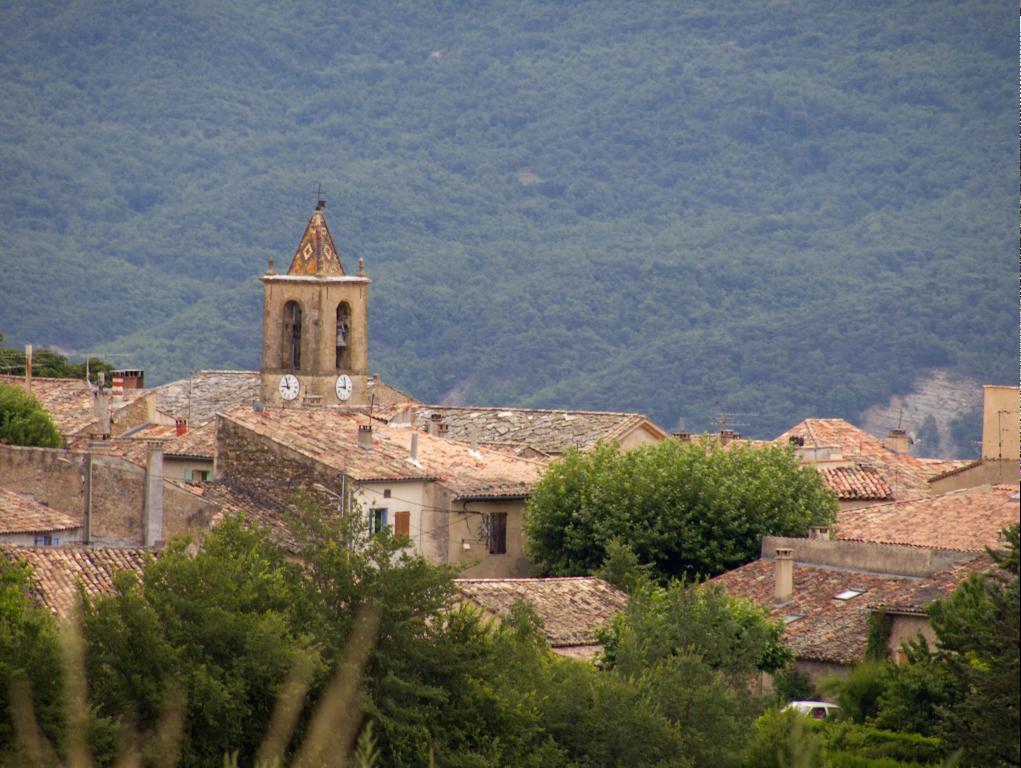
x: 783, y: 209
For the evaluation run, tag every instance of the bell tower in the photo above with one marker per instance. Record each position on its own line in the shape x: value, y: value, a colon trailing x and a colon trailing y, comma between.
x: 314, y: 335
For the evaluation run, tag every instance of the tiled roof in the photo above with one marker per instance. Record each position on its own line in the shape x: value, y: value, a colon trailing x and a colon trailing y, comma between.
x: 57, y: 571
x: 20, y: 513
x: 198, y: 442
x: 266, y: 512
x: 69, y: 401
x: 826, y: 628
x: 330, y: 436
x: 572, y: 609
x: 968, y: 520
x: 200, y: 397
x: 316, y: 253
x: 906, y: 475
x: 859, y: 482
x: 547, y: 431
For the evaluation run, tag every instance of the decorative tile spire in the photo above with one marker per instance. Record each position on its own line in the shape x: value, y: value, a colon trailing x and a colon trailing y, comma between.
x: 316, y: 254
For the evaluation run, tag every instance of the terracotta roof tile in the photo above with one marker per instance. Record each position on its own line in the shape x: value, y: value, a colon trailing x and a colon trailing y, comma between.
x: 968, y: 520
x: 330, y: 436
x: 266, y: 512
x: 57, y: 571
x: 20, y: 513
x: 198, y: 442
x: 547, y: 431
x: 906, y: 475
x: 820, y: 627
x: 858, y: 482
x: 572, y: 609
x: 69, y: 401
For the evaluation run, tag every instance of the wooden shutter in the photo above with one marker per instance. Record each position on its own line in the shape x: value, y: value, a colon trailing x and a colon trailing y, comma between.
x: 402, y: 523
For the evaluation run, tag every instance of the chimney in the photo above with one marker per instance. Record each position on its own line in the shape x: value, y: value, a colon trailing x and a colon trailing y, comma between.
x: 103, y: 420
x: 414, y: 447
x: 820, y: 532
x: 152, y: 511
x: 442, y: 429
x: 728, y: 435
x: 365, y: 437
x: 435, y: 420
x: 117, y: 388
x: 784, y: 589
x: 28, y: 368
x: 797, y: 441
x: 131, y: 378
x: 897, y: 440
x: 473, y: 435
x: 180, y: 427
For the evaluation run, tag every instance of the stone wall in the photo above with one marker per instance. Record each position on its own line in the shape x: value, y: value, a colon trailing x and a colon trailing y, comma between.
x: 865, y: 556
x: 57, y: 477
x: 254, y: 462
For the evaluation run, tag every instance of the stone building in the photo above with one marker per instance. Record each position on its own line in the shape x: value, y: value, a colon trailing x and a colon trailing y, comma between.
x: 895, y: 558
x: 457, y: 503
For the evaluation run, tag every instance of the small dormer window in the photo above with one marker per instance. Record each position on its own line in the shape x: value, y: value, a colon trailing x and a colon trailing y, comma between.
x: 848, y: 594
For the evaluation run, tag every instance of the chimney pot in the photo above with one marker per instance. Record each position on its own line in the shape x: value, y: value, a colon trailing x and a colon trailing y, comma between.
x: 897, y: 440
x: 365, y: 437
x: 784, y: 589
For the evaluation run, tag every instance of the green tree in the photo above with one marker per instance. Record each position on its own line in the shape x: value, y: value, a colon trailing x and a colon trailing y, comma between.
x: 217, y: 626
x: 697, y: 654
x: 23, y: 421
x: 29, y: 656
x: 685, y: 508
x: 977, y: 630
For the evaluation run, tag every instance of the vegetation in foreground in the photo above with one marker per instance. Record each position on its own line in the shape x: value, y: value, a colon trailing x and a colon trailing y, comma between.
x: 236, y: 654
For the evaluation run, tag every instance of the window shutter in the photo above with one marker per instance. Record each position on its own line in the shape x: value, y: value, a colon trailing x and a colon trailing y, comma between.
x: 402, y: 523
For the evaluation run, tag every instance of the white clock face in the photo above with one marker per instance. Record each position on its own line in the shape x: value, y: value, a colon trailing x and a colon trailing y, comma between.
x: 289, y: 386
x: 344, y: 387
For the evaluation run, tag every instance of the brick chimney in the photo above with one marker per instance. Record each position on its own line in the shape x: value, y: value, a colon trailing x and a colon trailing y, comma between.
x: 784, y: 589
x: 180, y: 427
x: 152, y: 511
x: 897, y: 440
x: 365, y: 437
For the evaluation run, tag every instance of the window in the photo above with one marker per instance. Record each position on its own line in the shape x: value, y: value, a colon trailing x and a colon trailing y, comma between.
x: 378, y: 519
x: 46, y: 540
x: 291, y: 346
x: 848, y: 594
x: 343, y: 348
x: 402, y: 523
x: 496, y: 530
x: 197, y: 476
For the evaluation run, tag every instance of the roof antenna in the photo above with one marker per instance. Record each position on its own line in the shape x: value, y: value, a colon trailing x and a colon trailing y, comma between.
x: 320, y: 200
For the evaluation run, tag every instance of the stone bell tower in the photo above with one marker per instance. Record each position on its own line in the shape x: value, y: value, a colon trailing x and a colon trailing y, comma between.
x: 314, y: 336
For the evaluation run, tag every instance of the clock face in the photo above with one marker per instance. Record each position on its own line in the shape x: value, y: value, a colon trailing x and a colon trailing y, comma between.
x: 344, y: 387
x: 289, y: 386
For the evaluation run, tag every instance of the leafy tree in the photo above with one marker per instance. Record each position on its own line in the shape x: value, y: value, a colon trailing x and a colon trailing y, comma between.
x: 23, y: 421
x: 918, y: 692
x: 685, y: 508
x: 977, y: 629
x: 859, y: 691
x: 29, y: 655
x: 218, y: 625
x: 49, y: 363
x: 698, y: 654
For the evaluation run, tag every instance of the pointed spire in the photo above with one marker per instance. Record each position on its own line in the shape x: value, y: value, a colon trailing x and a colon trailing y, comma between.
x: 316, y: 254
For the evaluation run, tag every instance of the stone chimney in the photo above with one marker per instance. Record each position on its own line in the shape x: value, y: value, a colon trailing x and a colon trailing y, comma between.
x: 365, y: 437
x: 152, y: 511
x: 897, y: 440
x: 435, y: 421
x: 820, y: 532
x: 728, y: 436
x: 784, y: 588
x: 180, y: 427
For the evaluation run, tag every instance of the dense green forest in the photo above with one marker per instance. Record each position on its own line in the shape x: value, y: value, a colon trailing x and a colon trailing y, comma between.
x: 680, y: 208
